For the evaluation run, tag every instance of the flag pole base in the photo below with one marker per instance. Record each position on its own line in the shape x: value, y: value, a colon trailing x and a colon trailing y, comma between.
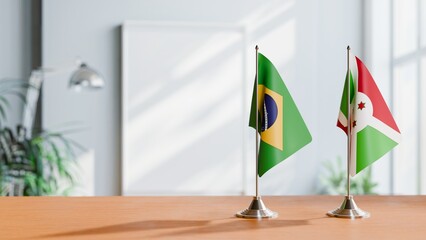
x: 348, y: 209
x: 257, y: 209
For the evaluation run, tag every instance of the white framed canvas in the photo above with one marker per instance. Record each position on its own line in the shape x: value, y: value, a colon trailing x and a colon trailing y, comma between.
x: 184, y: 114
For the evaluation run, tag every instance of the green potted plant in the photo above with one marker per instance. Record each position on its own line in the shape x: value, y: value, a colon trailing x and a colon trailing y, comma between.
x: 333, y: 180
x: 33, y: 166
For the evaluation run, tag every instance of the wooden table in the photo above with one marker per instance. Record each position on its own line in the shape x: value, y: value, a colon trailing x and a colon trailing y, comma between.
x: 301, y: 217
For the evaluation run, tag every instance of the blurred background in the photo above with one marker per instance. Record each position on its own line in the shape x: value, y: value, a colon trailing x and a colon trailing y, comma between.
x: 171, y: 115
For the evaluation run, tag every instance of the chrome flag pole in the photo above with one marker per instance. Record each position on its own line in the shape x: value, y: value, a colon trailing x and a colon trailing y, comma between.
x: 257, y: 208
x: 348, y: 209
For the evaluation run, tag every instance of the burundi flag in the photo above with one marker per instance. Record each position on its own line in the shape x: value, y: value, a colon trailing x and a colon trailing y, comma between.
x: 373, y: 130
x: 281, y: 127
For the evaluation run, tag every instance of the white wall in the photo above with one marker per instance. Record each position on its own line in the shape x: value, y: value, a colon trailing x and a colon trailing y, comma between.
x: 394, y: 54
x: 15, y: 47
x: 305, y: 39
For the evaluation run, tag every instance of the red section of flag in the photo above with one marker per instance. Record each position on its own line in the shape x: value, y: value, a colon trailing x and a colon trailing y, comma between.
x: 340, y: 125
x: 367, y: 86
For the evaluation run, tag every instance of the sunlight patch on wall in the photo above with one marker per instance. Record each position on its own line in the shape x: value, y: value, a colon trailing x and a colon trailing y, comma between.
x: 405, y: 105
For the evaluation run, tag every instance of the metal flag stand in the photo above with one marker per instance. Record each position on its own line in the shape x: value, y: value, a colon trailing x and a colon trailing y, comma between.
x: 257, y: 208
x: 348, y: 209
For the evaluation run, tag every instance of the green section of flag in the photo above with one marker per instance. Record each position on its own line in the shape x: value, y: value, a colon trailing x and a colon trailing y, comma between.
x: 368, y: 149
x: 344, y: 101
x: 295, y: 134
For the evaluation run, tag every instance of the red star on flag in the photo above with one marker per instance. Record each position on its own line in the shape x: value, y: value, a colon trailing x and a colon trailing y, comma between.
x: 361, y: 105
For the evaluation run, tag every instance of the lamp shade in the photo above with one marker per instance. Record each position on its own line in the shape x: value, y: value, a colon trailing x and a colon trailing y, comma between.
x: 86, y: 78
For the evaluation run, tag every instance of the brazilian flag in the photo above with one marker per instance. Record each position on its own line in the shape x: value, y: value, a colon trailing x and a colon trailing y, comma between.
x: 281, y: 127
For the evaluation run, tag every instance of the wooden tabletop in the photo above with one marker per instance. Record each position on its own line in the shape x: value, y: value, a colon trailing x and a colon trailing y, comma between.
x: 301, y: 217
